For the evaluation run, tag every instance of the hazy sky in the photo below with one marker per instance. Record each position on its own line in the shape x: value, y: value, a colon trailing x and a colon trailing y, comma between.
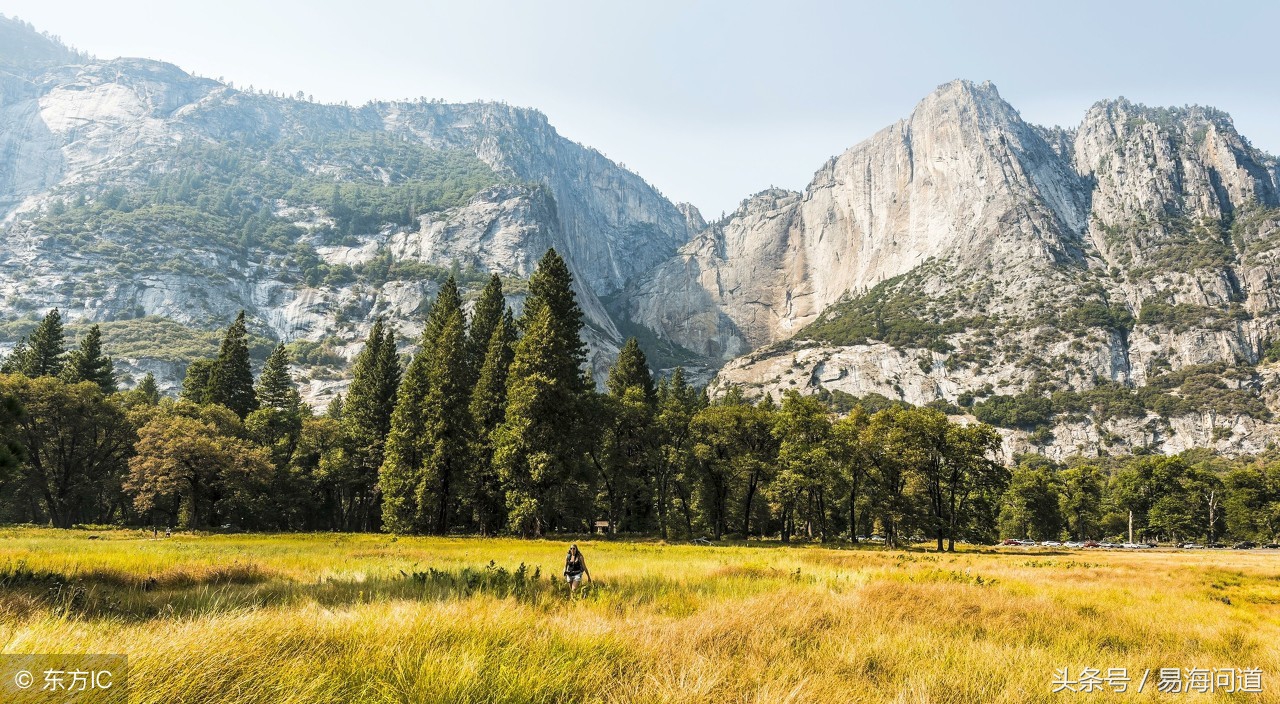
x: 710, y: 101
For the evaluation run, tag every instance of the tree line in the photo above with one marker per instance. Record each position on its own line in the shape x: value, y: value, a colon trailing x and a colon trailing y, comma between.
x: 492, y: 426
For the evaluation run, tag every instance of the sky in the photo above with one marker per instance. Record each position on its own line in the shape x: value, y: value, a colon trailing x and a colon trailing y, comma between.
x: 710, y: 101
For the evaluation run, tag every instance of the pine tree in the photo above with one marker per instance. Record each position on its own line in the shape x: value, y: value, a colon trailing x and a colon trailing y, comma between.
x: 448, y: 301
x: 539, y: 447
x: 148, y: 389
x: 677, y: 404
x: 487, y: 408
x: 277, y: 424
x: 43, y: 353
x: 18, y: 360
x: 401, y: 470
x: 334, y: 410
x: 88, y: 364
x: 523, y: 465
x: 551, y: 287
x: 630, y: 371
x: 195, y: 385
x: 485, y: 318
x: 231, y: 379
x: 275, y: 385
x: 400, y: 477
x: 446, y: 428
x: 366, y: 420
x: 625, y: 454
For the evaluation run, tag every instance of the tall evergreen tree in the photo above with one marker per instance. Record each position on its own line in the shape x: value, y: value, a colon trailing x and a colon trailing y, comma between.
x: 277, y: 425
x: 539, y: 448
x: 275, y: 385
x: 195, y: 385
x: 43, y: 352
x: 485, y: 318
x: 88, y: 363
x: 334, y: 409
x: 631, y: 371
x: 18, y: 359
x: 408, y: 446
x: 487, y: 409
x: 148, y: 389
x: 677, y: 404
x: 624, y: 457
x: 366, y: 421
x: 231, y: 379
x: 551, y: 288
x: 446, y: 428
x: 448, y: 301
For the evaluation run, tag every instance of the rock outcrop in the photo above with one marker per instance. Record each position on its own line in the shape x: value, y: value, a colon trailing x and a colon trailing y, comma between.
x: 74, y: 129
x: 963, y: 249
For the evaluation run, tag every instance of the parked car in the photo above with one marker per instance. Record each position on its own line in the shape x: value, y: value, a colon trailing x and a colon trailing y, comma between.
x: 1027, y: 543
x: 1272, y: 546
x: 1244, y: 545
x: 1217, y: 546
x: 1092, y: 544
x: 1011, y: 541
x: 1050, y: 544
x: 1073, y: 544
x: 1191, y: 546
x: 1110, y: 545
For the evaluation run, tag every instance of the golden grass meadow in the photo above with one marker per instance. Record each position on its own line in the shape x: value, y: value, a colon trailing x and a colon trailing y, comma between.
x: 374, y: 618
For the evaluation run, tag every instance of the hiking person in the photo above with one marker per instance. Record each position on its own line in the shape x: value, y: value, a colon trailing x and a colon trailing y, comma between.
x: 574, y: 567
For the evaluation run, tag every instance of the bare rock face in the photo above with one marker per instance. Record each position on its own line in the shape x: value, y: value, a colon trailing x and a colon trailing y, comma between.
x: 74, y: 130
x: 962, y: 251
x: 951, y: 183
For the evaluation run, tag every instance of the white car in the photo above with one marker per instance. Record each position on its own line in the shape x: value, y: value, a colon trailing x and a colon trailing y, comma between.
x: 1050, y: 544
x: 1073, y: 544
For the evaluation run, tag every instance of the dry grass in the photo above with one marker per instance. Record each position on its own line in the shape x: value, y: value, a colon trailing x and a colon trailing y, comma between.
x: 368, y: 618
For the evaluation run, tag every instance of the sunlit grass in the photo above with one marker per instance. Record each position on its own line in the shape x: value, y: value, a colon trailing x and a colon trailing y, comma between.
x: 372, y: 618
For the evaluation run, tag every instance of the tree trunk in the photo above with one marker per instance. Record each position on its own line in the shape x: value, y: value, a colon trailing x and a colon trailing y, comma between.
x: 853, y: 516
x: 746, y: 517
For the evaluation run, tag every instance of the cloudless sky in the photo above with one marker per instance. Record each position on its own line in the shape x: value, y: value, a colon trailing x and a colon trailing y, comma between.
x: 710, y: 101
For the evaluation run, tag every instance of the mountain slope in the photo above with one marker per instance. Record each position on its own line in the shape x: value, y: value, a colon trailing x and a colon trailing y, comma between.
x: 196, y: 199
x: 965, y: 256
x: 961, y: 176
x: 1108, y: 285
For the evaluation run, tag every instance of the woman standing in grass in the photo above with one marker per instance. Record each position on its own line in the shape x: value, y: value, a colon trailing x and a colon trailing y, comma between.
x: 574, y: 567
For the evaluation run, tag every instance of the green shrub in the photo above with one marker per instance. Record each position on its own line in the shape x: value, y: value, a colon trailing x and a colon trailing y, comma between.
x: 892, y: 312
x: 1026, y: 411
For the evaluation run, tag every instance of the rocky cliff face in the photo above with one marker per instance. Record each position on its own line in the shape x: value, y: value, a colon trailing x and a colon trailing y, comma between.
x: 192, y: 200
x: 963, y: 254
x: 951, y: 184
